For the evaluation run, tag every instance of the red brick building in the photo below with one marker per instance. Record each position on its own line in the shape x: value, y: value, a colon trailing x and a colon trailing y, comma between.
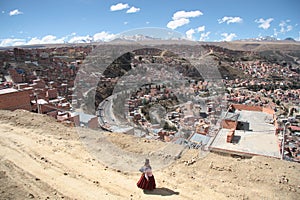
x: 12, y: 99
x: 52, y: 93
x: 15, y: 76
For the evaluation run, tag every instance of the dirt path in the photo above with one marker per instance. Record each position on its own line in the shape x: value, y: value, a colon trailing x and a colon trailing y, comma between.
x: 66, y: 167
x: 42, y: 159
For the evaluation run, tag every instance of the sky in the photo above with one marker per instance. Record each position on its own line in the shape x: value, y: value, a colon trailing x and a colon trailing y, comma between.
x: 59, y: 21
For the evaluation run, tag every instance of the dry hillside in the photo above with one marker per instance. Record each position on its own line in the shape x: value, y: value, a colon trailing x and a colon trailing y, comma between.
x: 42, y: 159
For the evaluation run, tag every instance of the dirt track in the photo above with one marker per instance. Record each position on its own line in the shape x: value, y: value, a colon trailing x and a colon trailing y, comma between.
x: 41, y: 158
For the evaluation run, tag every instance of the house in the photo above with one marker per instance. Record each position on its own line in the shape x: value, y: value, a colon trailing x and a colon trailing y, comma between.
x: 197, y: 140
x: 86, y: 120
x: 247, y: 131
x: 12, y: 99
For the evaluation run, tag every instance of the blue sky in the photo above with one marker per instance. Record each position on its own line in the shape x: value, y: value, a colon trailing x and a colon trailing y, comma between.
x: 56, y: 21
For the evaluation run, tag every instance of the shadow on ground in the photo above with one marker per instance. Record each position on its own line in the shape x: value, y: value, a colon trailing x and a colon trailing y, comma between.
x: 161, y: 191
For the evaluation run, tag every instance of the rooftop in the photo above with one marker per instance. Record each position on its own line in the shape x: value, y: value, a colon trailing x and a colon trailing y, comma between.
x: 84, y: 118
x: 198, y: 138
x: 40, y: 101
x: 259, y: 138
x: 8, y: 90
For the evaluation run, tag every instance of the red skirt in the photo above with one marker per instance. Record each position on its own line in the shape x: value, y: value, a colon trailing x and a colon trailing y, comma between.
x: 145, y: 184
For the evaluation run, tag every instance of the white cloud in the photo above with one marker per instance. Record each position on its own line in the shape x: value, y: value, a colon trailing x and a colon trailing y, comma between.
x: 12, y: 42
x: 81, y: 39
x: 289, y: 28
x: 204, y: 36
x: 51, y: 39
x: 133, y: 10
x: 275, y: 33
x: 48, y: 39
x: 190, y: 33
x: 177, y: 23
x: 228, y: 37
x: 119, y: 6
x: 15, y: 12
x: 201, y: 28
x: 181, y: 18
x: 186, y: 14
x: 103, y: 36
x: 264, y: 23
x: 285, y: 27
x: 282, y: 25
x: 229, y: 20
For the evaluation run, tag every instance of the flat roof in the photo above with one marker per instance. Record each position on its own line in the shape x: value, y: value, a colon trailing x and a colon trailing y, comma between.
x: 40, y: 101
x: 256, y: 119
x: 8, y: 90
x: 198, y: 138
x: 259, y: 139
x: 83, y: 117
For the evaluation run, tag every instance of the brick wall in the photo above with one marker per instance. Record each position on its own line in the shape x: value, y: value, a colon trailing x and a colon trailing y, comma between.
x: 52, y: 93
x: 93, y: 123
x: 41, y: 93
x: 39, y: 83
x: 230, y: 135
x: 254, y: 108
x: 228, y: 124
x: 15, y: 76
x: 52, y: 114
x: 45, y: 108
x: 15, y: 100
x: 249, y: 108
x: 76, y: 120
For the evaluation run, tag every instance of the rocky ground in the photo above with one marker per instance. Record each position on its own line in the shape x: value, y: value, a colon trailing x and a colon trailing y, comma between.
x: 43, y: 159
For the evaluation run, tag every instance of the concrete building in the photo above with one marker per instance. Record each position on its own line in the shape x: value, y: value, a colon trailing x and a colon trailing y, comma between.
x: 198, y: 140
x: 248, y: 131
x: 89, y: 121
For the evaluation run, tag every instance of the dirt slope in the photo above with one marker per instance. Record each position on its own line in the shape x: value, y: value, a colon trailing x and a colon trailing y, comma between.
x: 42, y: 159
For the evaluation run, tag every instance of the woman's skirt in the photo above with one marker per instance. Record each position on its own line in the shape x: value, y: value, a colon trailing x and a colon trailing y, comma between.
x: 145, y: 184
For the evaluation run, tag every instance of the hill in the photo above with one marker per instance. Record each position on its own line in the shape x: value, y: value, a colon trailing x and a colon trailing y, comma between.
x: 41, y: 158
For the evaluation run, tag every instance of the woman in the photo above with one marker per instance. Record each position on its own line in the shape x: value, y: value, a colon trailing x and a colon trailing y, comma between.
x: 147, y: 181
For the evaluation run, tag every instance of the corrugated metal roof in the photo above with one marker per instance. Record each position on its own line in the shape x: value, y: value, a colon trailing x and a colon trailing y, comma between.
x: 199, y: 138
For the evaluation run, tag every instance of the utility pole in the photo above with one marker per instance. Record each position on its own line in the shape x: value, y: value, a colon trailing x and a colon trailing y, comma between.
x: 37, y: 104
x: 283, y: 140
